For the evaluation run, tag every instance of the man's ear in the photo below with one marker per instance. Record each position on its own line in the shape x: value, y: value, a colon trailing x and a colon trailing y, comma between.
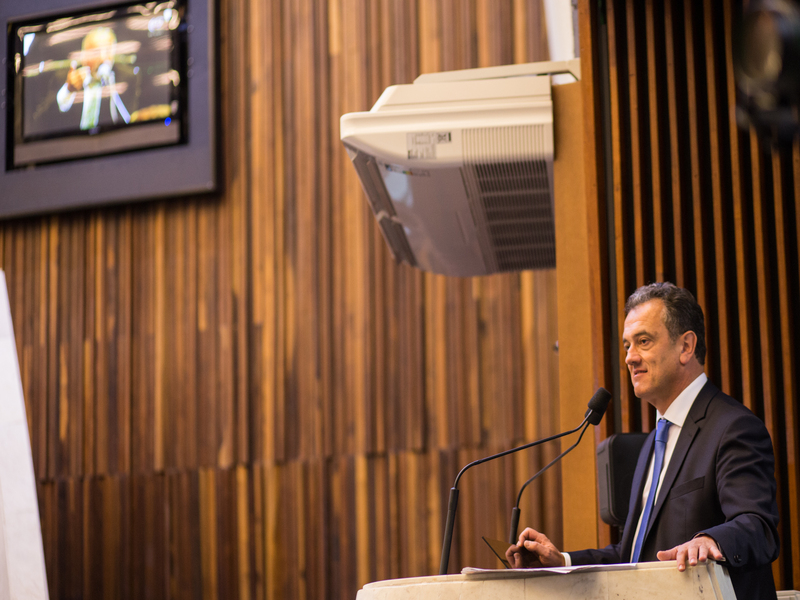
x: 688, y: 345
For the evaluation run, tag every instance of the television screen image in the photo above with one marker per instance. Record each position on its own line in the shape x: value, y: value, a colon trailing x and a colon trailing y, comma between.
x: 98, y: 83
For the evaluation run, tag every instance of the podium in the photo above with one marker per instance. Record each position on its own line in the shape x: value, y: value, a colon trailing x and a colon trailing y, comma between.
x: 652, y: 580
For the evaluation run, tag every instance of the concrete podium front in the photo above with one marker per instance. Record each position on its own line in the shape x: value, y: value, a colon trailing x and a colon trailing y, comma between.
x: 654, y: 581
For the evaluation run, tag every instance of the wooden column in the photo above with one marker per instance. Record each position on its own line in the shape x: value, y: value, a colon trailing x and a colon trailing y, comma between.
x: 577, y: 324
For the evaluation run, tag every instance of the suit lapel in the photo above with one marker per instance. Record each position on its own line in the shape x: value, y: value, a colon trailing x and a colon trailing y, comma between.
x: 691, y: 426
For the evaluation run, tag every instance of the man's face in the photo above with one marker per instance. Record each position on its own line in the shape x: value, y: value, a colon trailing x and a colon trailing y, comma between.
x: 653, y: 358
x: 98, y: 48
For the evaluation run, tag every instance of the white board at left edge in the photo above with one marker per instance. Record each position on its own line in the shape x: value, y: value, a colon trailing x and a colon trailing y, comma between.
x: 22, y: 567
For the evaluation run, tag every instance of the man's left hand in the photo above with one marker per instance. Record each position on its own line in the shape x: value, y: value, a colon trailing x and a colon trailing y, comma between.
x: 699, y: 549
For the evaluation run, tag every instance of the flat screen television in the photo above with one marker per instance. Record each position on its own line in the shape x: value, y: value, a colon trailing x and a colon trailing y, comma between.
x: 106, y: 102
x: 109, y: 80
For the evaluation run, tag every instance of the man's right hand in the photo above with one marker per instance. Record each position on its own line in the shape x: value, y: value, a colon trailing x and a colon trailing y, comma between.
x: 534, y: 550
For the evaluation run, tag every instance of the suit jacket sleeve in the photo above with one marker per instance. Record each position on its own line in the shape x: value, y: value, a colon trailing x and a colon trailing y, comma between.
x: 746, y: 490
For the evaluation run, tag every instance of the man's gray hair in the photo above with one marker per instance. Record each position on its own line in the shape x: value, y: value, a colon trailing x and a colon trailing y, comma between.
x: 682, y: 313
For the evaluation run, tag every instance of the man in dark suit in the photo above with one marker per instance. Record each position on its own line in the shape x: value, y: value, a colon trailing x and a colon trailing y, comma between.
x: 711, y: 460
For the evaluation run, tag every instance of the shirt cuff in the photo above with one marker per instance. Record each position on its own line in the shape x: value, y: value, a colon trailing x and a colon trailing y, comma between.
x: 567, y: 559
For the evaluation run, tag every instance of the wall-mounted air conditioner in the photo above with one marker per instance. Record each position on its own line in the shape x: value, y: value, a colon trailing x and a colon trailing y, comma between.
x: 458, y: 168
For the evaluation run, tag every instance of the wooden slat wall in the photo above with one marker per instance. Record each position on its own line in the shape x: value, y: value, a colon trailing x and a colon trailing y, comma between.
x: 243, y: 396
x: 699, y: 202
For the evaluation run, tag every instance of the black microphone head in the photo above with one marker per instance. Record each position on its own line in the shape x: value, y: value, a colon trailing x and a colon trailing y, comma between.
x: 598, y: 405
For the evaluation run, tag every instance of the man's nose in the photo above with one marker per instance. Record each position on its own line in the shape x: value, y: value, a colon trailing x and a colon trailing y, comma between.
x: 631, y: 356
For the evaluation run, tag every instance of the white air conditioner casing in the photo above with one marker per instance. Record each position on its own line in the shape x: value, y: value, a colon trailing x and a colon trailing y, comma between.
x: 458, y: 168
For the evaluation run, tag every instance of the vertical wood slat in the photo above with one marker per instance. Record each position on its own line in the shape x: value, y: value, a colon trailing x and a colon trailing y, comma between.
x: 101, y: 404
x: 302, y: 256
x: 274, y: 345
x: 209, y: 532
x: 160, y: 417
x: 792, y: 416
x: 260, y: 94
x: 209, y: 385
x: 694, y: 136
x: 326, y: 125
x: 677, y: 177
x: 787, y: 362
x: 33, y: 363
x: 149, y: 539
x: 355, y: 268
x: 437, y: 360
x: 770, y: 334
x: 656, y: 185
x: 743, y: 281
x: 617, y: 72
x: 123, y: 343
x: 90, y: 350
x: 52, y: 344
x: 636, y: 143
x: 338, y: 101
x: 235, y: 306
x: 74, y: 348
x: 143, y: 430
x: 763, y: 279
x: 550, y: 487
x: 185, y: 576
x: 719, y: 312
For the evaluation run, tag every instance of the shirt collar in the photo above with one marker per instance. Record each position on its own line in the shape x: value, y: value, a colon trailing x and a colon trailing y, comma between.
x: 677, y: 411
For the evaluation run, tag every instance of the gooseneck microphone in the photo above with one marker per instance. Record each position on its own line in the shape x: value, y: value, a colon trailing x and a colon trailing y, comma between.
x: 597, y: 406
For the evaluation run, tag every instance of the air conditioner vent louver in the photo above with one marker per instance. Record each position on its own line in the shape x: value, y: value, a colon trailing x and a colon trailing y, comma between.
x: 512, y: 197
x: 382, y: 206
x: 510, y: 178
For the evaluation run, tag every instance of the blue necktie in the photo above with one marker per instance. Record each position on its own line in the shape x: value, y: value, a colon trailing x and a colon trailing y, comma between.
x: 661, y: 445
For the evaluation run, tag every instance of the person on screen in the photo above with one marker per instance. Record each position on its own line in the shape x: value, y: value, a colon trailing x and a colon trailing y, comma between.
x: 704, y: 486
x: 94, y: 76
